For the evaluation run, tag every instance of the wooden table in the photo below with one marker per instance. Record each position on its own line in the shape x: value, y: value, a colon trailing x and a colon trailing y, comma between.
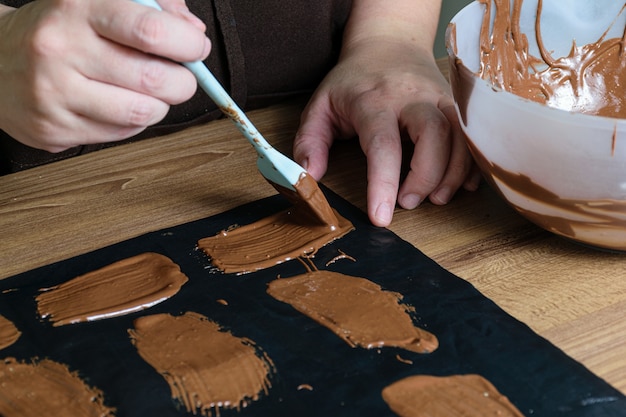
x: 571, y: 295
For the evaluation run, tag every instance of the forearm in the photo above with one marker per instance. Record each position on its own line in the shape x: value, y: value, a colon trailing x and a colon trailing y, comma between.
x: 412, y: 22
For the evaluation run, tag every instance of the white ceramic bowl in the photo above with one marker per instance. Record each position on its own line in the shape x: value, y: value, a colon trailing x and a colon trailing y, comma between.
x: 564, y: 171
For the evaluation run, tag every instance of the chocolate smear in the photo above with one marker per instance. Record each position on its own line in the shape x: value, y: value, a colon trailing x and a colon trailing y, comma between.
x: 457, y: 395
x: 357, y: 310
x: 126, y: 286
x: 206, y: 367
x: 272, y: 240
x: 47, y: 388
x: 8, y: 333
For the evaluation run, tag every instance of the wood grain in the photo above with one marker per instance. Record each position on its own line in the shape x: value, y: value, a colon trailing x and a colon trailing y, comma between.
x: 572, y: 295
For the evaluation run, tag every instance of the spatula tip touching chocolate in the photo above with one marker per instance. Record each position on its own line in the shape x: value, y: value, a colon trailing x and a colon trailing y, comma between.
x: 285, y: 175
x: 310, y: 200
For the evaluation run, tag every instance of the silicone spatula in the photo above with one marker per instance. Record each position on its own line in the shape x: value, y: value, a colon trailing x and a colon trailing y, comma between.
x: 282, y: 172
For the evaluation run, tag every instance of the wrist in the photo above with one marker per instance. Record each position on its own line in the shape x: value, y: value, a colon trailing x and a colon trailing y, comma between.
x: 412, y: 23
x: 5, y: 9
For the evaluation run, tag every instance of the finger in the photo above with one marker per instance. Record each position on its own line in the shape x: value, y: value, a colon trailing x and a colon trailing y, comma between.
x: 107, y: 104
x: 146, y: 74
x: 104, y: 114
x: 83, y: 131
x: 313, y: 140
x: 459, y: 164
x: 151, y: 31
x: 429, y: 129
x: 380, y: 140
x: 473, y: 180
x: 179, y: 7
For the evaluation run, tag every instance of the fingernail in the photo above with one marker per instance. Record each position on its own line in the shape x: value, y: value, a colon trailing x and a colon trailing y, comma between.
x: 410, y: 201
x: 442, y: 195
x: 384, y: 213
x: 207, y: 47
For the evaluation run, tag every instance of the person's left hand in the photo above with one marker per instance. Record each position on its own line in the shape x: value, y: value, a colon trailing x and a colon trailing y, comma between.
x: 384, y: 93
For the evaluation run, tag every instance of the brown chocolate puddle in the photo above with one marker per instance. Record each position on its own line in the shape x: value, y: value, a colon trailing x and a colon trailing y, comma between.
x: 206, y: 367
x: 591, y: 79
x: 458, y: 395
x: 8, y: 333
x: 275, y: 239
x: 357, y: 310
x: 47, y: 388
x: 123, y: 287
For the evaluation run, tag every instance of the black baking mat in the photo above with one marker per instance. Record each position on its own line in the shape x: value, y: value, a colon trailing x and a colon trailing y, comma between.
x: 475, y: 335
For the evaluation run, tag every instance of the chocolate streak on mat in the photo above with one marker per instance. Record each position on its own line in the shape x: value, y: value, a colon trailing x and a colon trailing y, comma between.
x: 307, y: 193
x: 8, y: 333
x: 359, y: 311
x: 47, y: 388
x: 275, y: 239
x: 206, y: 367
x: 457, y: 395
x: 123, y: 287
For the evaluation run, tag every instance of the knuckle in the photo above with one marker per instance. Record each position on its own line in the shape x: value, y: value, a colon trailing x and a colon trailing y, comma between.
x: 442, y: 125
x: 386, y: 183
x: 458, y: 170
x: 428, y: 182
x: 148, y: 30
x: 438, y: 120
x: 48, y: 35
x: 140, y: 113
x: 45, y: 40
x: 379, y: 142
x: 434, y: 122
x: 152, y: 77
x: 424, y: 180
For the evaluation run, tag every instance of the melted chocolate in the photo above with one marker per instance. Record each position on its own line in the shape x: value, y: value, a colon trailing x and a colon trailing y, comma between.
x: 307, y: 194
x: 206, y: 367
x: 458, y: 395
x: 591, y: 79
x: 126, y: 286
x: 8, y: 333
x: 272, y: 240
x: 597, y: 222
x: 359, y: 311
x: 310, y: 201
x: 47, y: 388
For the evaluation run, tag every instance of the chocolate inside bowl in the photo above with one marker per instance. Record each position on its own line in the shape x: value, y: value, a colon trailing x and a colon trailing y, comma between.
x: 539, y: 88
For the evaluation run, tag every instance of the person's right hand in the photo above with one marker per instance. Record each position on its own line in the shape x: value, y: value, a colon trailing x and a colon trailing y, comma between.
x: 75, y: 72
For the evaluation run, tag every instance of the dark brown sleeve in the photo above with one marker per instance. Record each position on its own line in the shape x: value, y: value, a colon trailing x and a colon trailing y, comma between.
x: 263, y: 51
